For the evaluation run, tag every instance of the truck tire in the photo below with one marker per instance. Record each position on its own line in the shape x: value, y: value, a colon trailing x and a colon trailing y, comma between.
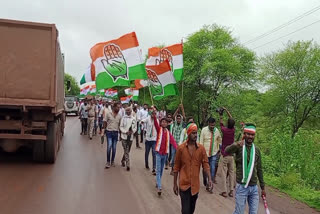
x: 51, y: 145
x: 38, y: 151
x: 59, y: 133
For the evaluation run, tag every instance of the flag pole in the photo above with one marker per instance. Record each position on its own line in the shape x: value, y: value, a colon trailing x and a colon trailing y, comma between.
x: 182, y: 84
x: 151, y: 95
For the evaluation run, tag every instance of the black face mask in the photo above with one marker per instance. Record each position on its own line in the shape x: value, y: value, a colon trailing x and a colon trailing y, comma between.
x: 85, y: 104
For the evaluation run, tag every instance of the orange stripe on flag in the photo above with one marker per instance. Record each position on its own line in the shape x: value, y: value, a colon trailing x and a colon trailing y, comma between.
x: 93, y: 72
x: 155, y: 51
x: 161, y: 68
x: 138, y: 84
x: 176, y: 49
x: 124, y: 42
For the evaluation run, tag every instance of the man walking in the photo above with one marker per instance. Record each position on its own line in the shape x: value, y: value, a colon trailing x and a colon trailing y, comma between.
x: 176, y: 130
x: 210, y: 138
x: 249, y: 170
x: 111, y: 124
x: 151, y: 137
x: 142, y: 114
x: 189, y: 158
x: 91, y: 117
x: 128, y: 126
x: 164, y: 139
x: 227, y: 159
x: 84, y: 117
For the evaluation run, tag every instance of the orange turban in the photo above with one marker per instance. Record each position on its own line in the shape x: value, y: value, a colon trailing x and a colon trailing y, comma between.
x: 192, y: 127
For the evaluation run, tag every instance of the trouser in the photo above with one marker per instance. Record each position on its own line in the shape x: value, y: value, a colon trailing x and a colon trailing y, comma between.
x: 160, y: 161
x: 173, y: 155
x: 112, y: 139
x: 84, y: 125
x: 150, y: 145
x: 242, y: 195
x: 90, y: 126
x: 126, y: 144
x: 100, y: 122
x: 227, y: 169
x: 212, y: 164
x: 188, y: 201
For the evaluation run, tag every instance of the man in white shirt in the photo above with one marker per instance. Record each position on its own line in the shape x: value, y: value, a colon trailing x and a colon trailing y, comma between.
x: 142, y: 114
x: 128, y: 126
x: 211, y: 139
x: 151, y: 137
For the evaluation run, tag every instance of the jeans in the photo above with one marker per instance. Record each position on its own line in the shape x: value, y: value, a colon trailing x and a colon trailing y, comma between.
x: 173, y: 156
x: 112, y: 139
x: 160, y: 161
x: 150, y: 145
x: 242, y: 194
x: 188, y: 201
x: 212, y: 164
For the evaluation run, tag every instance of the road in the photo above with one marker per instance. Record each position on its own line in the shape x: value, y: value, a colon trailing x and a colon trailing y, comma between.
x: 78, y: 184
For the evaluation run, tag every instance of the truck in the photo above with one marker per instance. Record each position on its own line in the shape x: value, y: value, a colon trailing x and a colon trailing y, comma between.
x: 31, y: 89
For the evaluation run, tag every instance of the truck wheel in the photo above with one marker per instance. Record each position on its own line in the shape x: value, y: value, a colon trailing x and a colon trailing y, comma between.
x: 38, y: 151
x: 51, y: 145
x: 59, y: 133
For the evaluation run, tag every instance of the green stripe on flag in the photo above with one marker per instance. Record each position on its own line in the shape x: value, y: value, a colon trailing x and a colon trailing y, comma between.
x: 104, y: 81
x: 178, y: 74
x: 138, y: 72
x: 169, y: 90
x: 83, y: 80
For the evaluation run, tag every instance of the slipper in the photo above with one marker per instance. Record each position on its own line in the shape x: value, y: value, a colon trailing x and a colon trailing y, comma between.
x: 224, y: 194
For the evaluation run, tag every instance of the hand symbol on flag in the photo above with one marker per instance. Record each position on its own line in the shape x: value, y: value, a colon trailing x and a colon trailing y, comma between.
x: 155, y: 84
x: 115, y: 64
x: 165, y: 54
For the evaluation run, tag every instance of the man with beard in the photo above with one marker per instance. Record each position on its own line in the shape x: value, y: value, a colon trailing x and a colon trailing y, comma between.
x: 210, y: 138
x: 128, y: 126
x: 142, y: 114
x: 176, y: 130
x: 189, y: 158
x: 111, y: 124
x: 249, y: 171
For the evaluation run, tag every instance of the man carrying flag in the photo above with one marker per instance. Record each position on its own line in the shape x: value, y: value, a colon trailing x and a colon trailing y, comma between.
x: 249, y: 170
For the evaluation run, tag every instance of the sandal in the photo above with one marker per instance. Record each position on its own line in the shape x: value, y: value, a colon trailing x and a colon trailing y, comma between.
x: 224, y: 194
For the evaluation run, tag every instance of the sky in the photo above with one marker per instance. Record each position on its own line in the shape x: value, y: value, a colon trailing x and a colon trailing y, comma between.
x: 82, y: 24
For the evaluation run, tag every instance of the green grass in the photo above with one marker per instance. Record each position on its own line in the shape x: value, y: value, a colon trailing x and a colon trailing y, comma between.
x: 297, y: 191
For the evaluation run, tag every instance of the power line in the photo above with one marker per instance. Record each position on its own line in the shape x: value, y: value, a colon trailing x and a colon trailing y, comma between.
x: 287, y: 34
x: 283, y: 25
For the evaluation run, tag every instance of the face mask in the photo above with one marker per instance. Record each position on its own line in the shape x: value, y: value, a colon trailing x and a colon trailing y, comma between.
x: 85, y: 104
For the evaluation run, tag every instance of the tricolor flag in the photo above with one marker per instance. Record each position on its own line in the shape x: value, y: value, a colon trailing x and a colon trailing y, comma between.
x: 111, y: 93
x: 89, y: 75
x: 118, y: 61
x: 161, y: 80
x: 92, y: 90
x: 135, y: 96
x: 84, y: 90
x: 128, y: 91
x: 141, y: 83
x: 173, y: 53
x: 125, y: 99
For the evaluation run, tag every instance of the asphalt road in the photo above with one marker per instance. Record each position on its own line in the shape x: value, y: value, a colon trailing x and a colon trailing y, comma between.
x: 78, y: 184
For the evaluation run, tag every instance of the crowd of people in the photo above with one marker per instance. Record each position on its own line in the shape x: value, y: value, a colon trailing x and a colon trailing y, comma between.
x: 176, y: 141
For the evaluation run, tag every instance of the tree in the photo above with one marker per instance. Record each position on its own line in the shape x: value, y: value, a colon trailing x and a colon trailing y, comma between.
x: 213, y: 61
x: 75, y: 89
x: 293, y: 75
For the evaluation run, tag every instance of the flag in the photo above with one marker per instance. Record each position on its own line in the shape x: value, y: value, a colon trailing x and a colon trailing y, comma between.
x: 111, y: 93
x: 92, y: 90
x: 173, y: 53
x: 118, y: 61
x: 161, y: 80
x: 89, y: 75
x: 125, y: 99
x: 141, y: 83
x: 135, y: 96
x: 128, y: 91
x: 84, y: 90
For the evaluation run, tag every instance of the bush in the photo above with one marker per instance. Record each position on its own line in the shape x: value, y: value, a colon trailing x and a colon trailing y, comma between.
x: 289, y: 180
